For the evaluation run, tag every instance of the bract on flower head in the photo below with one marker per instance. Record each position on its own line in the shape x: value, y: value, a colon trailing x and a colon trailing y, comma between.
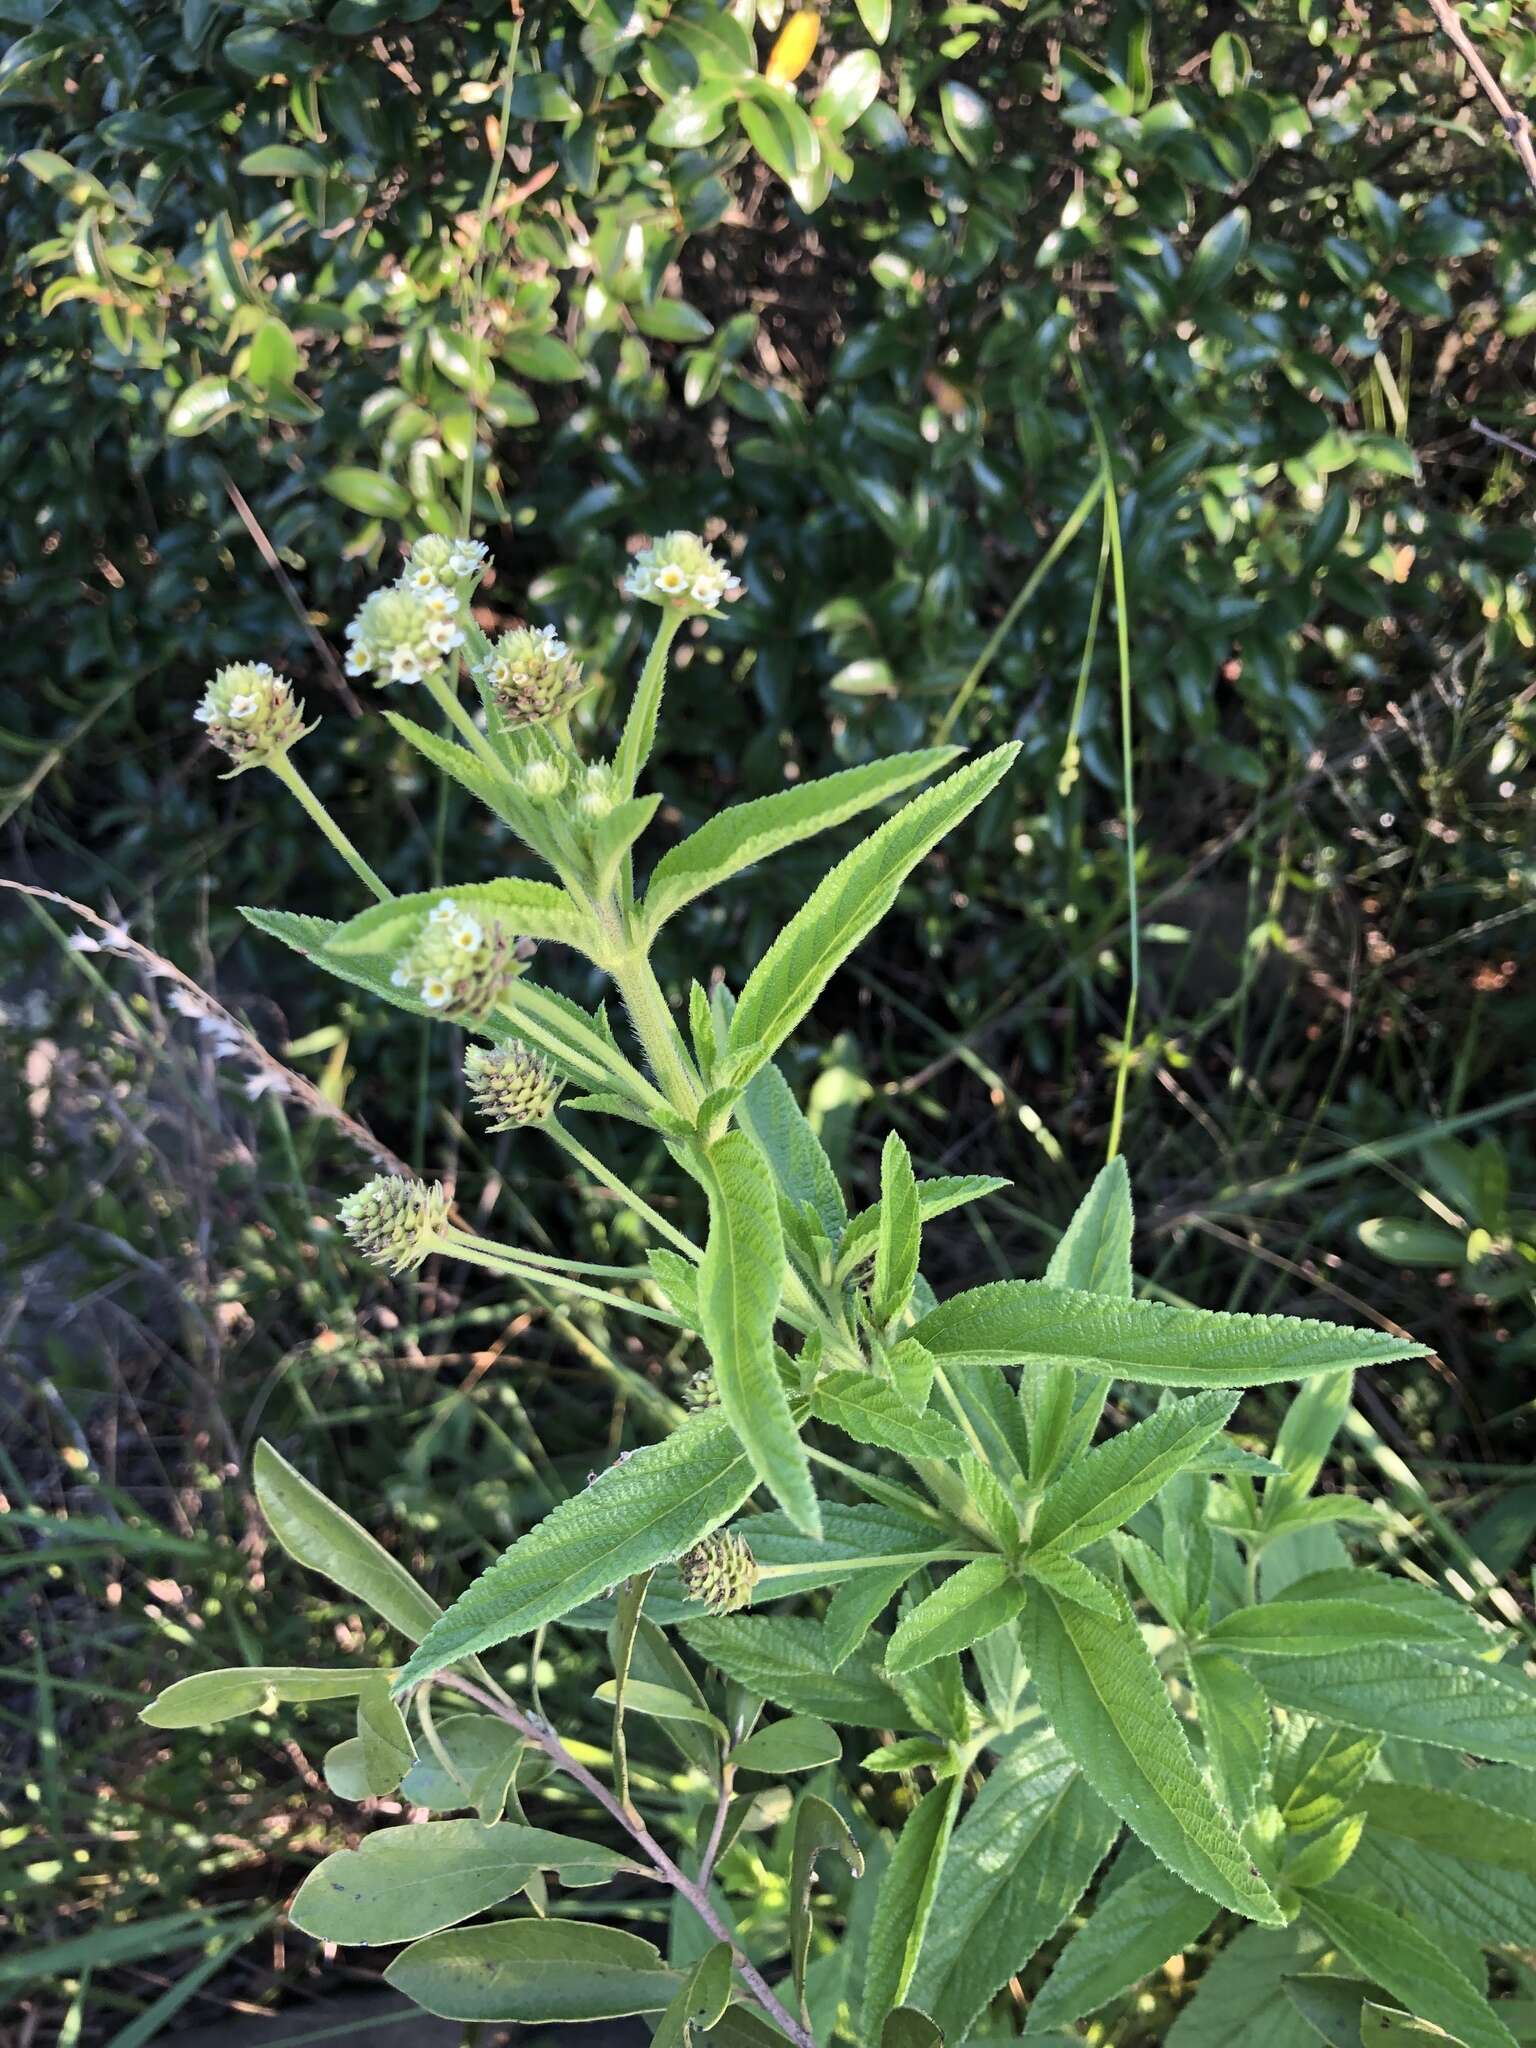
x: 251, y: 713
x: 531, y: 675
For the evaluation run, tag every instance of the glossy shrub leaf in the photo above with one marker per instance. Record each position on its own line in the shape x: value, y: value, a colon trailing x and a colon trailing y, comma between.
x: 1021, y: 1322
x: 200, y: 406
x: 365, y: 490
x: 1029, y: 1847
x: 656, y: 1504
x: 213, y: 1696
x: 845, y: 907
x: 801, y: 1743
x: 971, y: 1603
x: 325, y: 1539
x: 747, y: 833
x: 1103, y: 1490
x: 739, y: 1283
x: 1395, y: 1954
x: 1106, y: 1699
x: 905, y: 1903
x: 533, y: 1972
x: 282, y: 160
x: 1132, y: 1931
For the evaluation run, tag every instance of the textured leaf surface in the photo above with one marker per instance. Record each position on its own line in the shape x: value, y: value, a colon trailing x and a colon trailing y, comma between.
x: 534, y: 1971
x: 1103, y: 1490
x: 1142, y: 1922
x: 1319, y: 1628
x: 1029, y: 1847
x: 323, y: 1537
x: 735, y: 838
x: 1235, y: 1721
x: 845, y: 907
x: 1392, y: 1951
x: 871, y: 1411
x: 1106, y: 1699
x: 1019, y: 1322
x: 971, y: 1603
x: 1424, y: 1694
x: 1241, y: 1998
x: 1093, y: 1255
x: 786, y: 1660
x: 935, y: 1197
x: 739, y: 1284
x: 1437, y: 1819
x: 654, y: 1505
x: 899, y: 1240
x: 799, y: 1164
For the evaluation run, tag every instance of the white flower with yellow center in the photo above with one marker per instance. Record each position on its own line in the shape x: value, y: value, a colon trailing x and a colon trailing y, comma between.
x: 681, y: 572
x: 251, y: 713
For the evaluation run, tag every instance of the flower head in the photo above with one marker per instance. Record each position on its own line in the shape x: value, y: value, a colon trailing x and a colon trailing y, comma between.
x: 682, y: 574
x: 403, y: 634
x: 251, y: 713
x: 700, y: 1390
x: 721, y: 1571
x: 512, y: 1085
x: 531, y: 675
x: 393, y: 1221
x: 458, y: 963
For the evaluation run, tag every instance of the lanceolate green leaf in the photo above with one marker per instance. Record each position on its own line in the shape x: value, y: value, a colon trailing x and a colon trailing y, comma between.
x: 534, y: 1971
x: 1392, y: 1951
x: 656, y: 1504
x: 1106, y: 1700
x: 1428, y: 1695
x: 799, y: 1164
x: 1028, y: 1847
x: 1093, y: 1255
x: 1437, y: 1819
x: 845, y: 907
x: 935, y: 1197
x: 907, y: 1893
x: 1104, y: 1489
x: 322, y: 1536
x: 787, y: 1660
x: 1319, y: 1628
x: 1022, y: 1322
x: 971, y: 1603
x: 871, y: 1411
x: 407, y: 1882
x: 383, y: 1738
x: 212, y: 1696
x: 533, y: 910
x: 739, y: 1284
x: 1133, y: 1931
x: 901, y: 1231
x: 1235, y: 1721
x: 736, y: 838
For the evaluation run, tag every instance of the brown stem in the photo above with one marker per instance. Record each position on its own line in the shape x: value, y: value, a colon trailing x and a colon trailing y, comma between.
x: 540, y: 1732
x: 712, y: 1848
x: 1511, y: 120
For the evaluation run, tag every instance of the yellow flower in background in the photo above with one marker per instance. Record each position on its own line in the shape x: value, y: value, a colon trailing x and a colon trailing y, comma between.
x: 794, y: 48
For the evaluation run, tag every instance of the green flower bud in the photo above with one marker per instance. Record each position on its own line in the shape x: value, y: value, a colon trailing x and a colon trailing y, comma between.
x: 542, y: 781
x: 701, y: 1391
x: 252, y: 714
x: 401, y: 635
x: 394, y: 1221
x: 459, y: 963
x: 721, y: 1571
x: 682, y: 574
x: 596, y: 794
x: 512, y: 1085
x: 531, y: 675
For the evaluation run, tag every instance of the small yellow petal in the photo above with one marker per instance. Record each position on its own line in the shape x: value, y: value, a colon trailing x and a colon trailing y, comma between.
x: 795, y: 47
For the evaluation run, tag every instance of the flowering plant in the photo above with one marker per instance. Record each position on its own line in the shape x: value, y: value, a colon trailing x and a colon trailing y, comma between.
x: 1108, y: 1666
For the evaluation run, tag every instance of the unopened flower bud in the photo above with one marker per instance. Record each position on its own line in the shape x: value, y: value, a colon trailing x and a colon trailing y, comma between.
x: 512, y: 1085
x: 394, y: 1221
x: 596, y: 794
x: 252, y: 714
x: 721, y: 1571
x: 531, y: 675
x: 404, y: 634
x: 459, y: 963
x: 700, y: 1391
x: 681, y: 573
x: 542, y: 781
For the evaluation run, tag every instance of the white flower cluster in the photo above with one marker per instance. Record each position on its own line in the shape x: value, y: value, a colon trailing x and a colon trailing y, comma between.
x: 531, y: 675
x: 456, y: 962
x: 251, y: 713
x: 406, y: 632
x: 681, y: 573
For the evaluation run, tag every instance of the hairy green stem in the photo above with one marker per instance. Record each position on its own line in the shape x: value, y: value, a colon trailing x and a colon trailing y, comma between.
x: 479, y: 1251
x: 655, y: 1027
x: 282, y: 767
x: 446, y: 698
